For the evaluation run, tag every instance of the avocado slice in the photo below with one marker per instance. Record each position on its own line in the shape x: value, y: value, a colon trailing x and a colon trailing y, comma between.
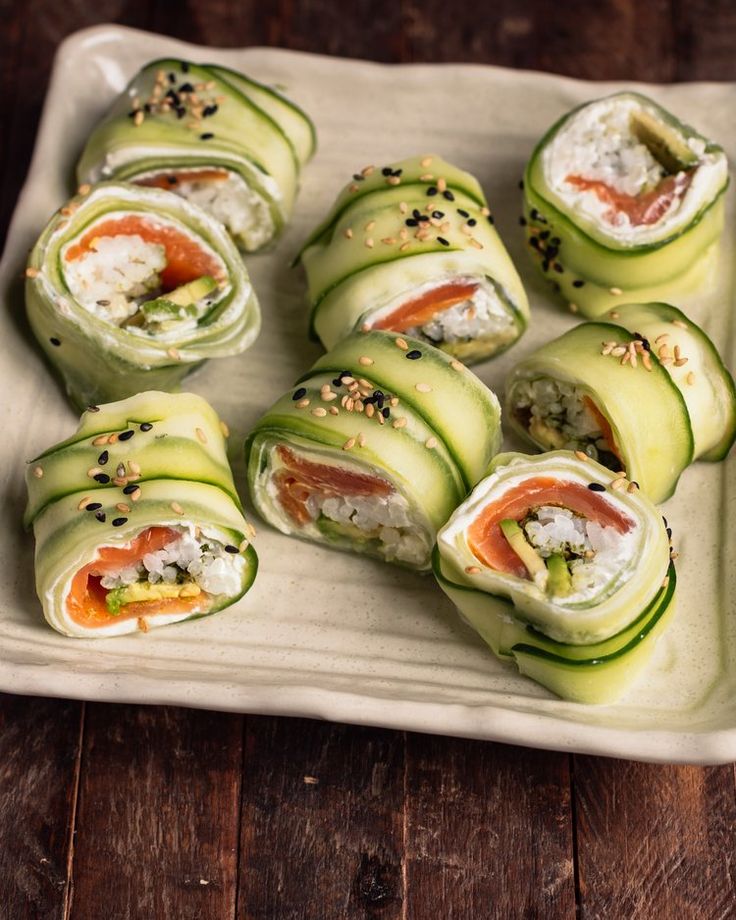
x: 559, y: 582
x: 181, y: 303
x: 662, y: 141
x: 143, y: 591
x: 517, y: 541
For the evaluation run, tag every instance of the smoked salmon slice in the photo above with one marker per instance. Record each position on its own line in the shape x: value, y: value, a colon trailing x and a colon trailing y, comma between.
x: 644, y: 209
x: 171, y: 178
x: 86, y: 599
x: 488, y: 543
x: 185, y: 259
x: 422, y: 309
x: 300, y: 479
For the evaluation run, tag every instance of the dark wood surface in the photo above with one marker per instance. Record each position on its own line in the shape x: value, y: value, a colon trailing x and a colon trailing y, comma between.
x: 113, y: 812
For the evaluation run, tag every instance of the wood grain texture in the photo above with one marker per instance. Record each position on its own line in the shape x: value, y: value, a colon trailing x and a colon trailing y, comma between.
x: 322, y: 822
x: 39, y: 760
x: 655, y: 841
x: 157, y: 822
x: 489, y: 831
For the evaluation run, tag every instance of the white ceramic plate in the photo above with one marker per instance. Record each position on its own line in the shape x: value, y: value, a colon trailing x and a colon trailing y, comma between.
x: 322, y: 633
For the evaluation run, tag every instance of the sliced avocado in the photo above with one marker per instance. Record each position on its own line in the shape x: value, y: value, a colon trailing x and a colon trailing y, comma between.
x: 517, y: 541
x: 662, y: 141
x: 181, y: 303
x: 143, y: 591
x: 559, y: 582
x: 192, y: 292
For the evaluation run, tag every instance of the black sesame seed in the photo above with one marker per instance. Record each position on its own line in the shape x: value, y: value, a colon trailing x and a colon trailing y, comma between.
x: 596, y: 487
x: 358, y: 177
x: 55, y: 341
x: 551, y: 252
x: 411, y: 222
x: 379, y: 394
x: 386, y: 171
x: 558, y: 268
x: 521, y: 183
x: 207, y: 136
x: 448, y: 195
x: 438, y: 215
x: 397, y: 172
x: 185, y: 66
x: 578, y: 283
x: 132, y: 113
x: 522, y: 221
x: 180, y: 111
x: 301, y: 393
x: 491, y: 219
x: 101, y: 516
x: 102, y: 478
x: 118, y: 522
x: 93, y: 506
x: 462, y: 213
x: 534, y: 214
x: 147, y: 108
x: 665, y: 521
x: 93, y: 408
x: 534, y: 242
x: 103, y: 458
x: 416, y: 214
x: 187, y: 88
x: 669, y: 533
x: 423, y: 218
x: 544, y: 235
x: 174, y: 97
x: 172, y: 78
x: 472, y: 222
x: 386, y: 412
x: 231, y: 549
x: 545, y: 265
x: 128, y: 490
x: 441, y: 239
x: 337, y: 382
x: 145, y: 426
x: 126, y: 435
x: 555, y: 241
x: 432, y: 190
x: 413, y: 354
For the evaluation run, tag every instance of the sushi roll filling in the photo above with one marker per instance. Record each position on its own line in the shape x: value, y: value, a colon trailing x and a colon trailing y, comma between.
x: 225, y: 195
x: 167, y: 571
x: 146, y: 275
x: 343, y: 502
x: 562, y: 416
x: 450, y: 310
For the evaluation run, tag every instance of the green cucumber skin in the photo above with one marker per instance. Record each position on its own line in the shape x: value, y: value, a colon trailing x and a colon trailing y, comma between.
x: 594, y: 674
x: 654, y: 449
x: 664, y: 269
x: 99, y: 362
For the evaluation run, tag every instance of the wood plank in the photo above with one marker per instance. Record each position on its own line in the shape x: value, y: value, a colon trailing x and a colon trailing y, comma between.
x: 39, y: 758
x: 157, y: 823
x: 655, y: 841
x: 489, y: 831
x: 322, y: 822
x: 704, y: 39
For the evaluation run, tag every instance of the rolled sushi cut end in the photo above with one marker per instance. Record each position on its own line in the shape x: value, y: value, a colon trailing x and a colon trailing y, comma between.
x: 215, y: 137
x: 132, y: 287
x: 645, y: 393
x: 137, y: 521
x: 561, y: 571
x: 623, y: 203
x: 370, y: 450
x: 411, y: 248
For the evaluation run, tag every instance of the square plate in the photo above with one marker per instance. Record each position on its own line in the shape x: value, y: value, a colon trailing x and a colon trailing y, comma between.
x: 326, y: 634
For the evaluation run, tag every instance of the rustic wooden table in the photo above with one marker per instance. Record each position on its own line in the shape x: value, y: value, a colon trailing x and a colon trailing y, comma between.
x: 148, y: 812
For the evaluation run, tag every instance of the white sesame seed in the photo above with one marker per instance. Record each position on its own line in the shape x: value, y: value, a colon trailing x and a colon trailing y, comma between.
x: 176, y: 508
x: 349, y: 233
x: 404, y: 246
x: 426, y: 177
x: 618, y: 484
x: 91, y: 472
x: 573, y: 307
x: 319, y: 412
x: 680, y: 362
x: 100, y: 440
x: 334, y: 410
x: 121, y: 506
x: 472, y: 570
x: 369, y: 226
x: 389, y: 240
x: 456, y: 365
x: 485, y: 212
x: 32, y: 272
x: 431, y: 443
x: 679, y: 323
x: 365, y: 360
x: 581, y: 455
x: 224, y: 429
x: 423, y: 388
x: 393, y: 180
x: 174, y: 353
x: 403, y: 207
x: 425, y: 162
x: 303, y: 403
x: 399, y: 422
x: 690, y: 379
x: 369, y: 244
x: 402, y: 344
x: 615, y: 291
x: 473, y: 242
x: 613, y: 314
x: 83, y: 503
x: 328, y: 397
x: 441, y: 184
x: 201, y: 436
x: 361, y: 440
x: 134, y: 496
x: 367, y: 171
x: 349, y: 444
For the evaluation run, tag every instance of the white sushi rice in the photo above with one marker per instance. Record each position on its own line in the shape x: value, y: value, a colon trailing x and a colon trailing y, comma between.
x: 386, y: 519
x: 187, y: 559
x: 483, y: 315
x: 554, y: 530
x: 244, y: 212
x: 559, y: 417
x: 598, y: 143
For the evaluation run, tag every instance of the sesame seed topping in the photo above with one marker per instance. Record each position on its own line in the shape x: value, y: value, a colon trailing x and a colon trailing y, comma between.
x: 174, y: 353
x: 103, y: 458
x: 145, y: 426
x: 118, y: 522
x: 442, y: 184
x: 646, y: 361
x: 102, y: 478
x: 84, y: 189
x: 367, y: 171
x: 224, y: 429
x: 485, y: 212
x: 456, y: 365
x: 425, y: 162
x: 91, y: 472
x: 361, y: 440
x: 431, y: 443
x: 126, y: 435
x: 38, y: 472
x: 32, y: 272
x: 99, y: 440
x: 404, y: 246
x: 423, y: 388
x: 414, y: 354
x: 679, y: 362
x: 403, y: 207
x: 661, y: 338
x: 596, y: 487
x: 176, y: 508
x: 393, y: 180
x: 472, y: 570
x: 613, y: 314
x: 399, y: 422
x: 303, y: 403
x: 201, y: 436
x: 369, y: 243
x: 319, y: 412
x: 369, y: 226
x: 618, y: 484
x: 475, y: 243
x: 443, y: 241
x: 101, y: 516
x: 389, y: 240
x: 244, y: 544
x: 334, y: 410
x: 679, y: 323
x: 690, y: 379
x: 401, y: 343
x: 328, y: 397
x: 633, y: 486
x: 665, y: 581
x: 365, y: 360
x: 83, y: 503
x: 121, y: 506
x: 348, y: 233
x: 581, y: 455
x: 299, y: 394
x: 615, y: 291
x: 349, y: 444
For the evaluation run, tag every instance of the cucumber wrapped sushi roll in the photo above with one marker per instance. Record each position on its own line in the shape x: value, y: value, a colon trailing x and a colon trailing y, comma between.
x: 372, y: 449
x: 131, y: 288
x: 645, y: 392
x: 136, y: 518
x: 411, y: 248
x: 623, y: 202
x: 562, y: 569
x: 214, y: 136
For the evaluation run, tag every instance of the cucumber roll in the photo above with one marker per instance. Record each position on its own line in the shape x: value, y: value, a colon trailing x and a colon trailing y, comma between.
x: 214, y: 136
x: 373, y: 448
x: 623, y: 202
x: 411, y: 248
x: 136, y: 518
x: 563, y: 570
x: 645, y: 392
x: 131, y: 288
